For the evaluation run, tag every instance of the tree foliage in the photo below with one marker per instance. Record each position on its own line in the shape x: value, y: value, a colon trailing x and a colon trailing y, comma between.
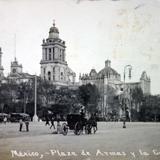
x: 89, y: 95
x: 137, y: 95
x: 150, y: 108
x: 112, y: 102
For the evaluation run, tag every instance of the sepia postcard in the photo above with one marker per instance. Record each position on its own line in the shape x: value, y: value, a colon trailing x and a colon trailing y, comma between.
x: 79, y: 80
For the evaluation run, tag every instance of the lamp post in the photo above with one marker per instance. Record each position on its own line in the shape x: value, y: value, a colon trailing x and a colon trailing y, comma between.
x: 25, y: 91
x: 24, y: 100
x: 124, y: 105
x: 35, y: 117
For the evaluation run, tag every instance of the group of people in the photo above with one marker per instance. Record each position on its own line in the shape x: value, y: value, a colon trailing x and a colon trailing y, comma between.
x: 24, y: 121
x: 52, y: 119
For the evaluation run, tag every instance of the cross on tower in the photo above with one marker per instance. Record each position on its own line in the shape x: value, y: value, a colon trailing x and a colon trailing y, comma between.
x: 53, y: 22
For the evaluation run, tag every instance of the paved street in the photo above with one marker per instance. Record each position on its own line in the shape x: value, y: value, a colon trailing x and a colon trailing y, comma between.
x: 137, y: 141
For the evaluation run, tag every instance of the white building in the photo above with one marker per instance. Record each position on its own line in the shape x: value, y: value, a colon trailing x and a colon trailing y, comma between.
x: 17, y: 75
x: 54, y: 67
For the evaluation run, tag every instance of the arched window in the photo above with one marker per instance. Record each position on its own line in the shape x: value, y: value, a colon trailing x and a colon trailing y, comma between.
x: 61, y: 75
x: 53, y: 53
x: 60, y: 57
x: 45, y: 56
x: 53, y: 70
x: 14, y: 70
x: 45, y: 53
x: 53, y: 56
x: 49, y: 75
x: 53, y: 73
x: 50, y: 57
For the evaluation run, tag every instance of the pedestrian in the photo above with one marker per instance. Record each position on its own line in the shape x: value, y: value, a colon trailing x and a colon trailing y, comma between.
x: 47, y: 120
x: 52, y: 123
x: 5, y: 120
x: 27, y: 124
x: 20, y: 125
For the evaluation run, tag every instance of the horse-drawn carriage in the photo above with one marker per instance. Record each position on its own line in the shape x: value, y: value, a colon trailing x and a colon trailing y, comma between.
x: 78, y: 123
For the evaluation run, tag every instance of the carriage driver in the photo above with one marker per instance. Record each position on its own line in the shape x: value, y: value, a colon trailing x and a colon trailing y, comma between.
x: 82, y: 111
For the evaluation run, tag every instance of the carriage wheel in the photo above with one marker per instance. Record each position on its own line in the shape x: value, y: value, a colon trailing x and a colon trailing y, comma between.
x: 77, y: 128
x: 64, y: 129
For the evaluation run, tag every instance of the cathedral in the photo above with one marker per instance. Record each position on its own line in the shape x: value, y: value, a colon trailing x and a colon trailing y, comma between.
x: 54, y: 67
x: 105, y: 76
x: 109, y: 79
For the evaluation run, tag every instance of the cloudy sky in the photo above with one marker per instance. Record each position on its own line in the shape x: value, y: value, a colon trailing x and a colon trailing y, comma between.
x: 124, y: 31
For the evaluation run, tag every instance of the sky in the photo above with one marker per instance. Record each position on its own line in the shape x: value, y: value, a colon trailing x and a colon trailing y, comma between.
x: 123, y: 31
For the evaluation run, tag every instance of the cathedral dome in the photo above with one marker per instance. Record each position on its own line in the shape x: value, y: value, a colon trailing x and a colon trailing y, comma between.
x: 107, y: 70
x: 93, y: 73
x: 53, y: 31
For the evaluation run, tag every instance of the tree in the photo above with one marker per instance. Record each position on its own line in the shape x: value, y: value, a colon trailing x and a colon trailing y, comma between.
x: 45, y: 92
x: 136, y: 100
x: 150, y: 108
x: 137, y: 96
x: 25, y: 94
x: 64, y: 100
x: 59, y: 100
x: 112, y: 102
x: 89, y: 95
x: 8, y: 96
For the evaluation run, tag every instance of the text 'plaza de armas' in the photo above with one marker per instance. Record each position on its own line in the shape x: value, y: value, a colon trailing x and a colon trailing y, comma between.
x: 55, y: 69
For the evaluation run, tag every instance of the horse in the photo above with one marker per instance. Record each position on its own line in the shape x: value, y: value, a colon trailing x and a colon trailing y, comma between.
x: 91, y: 124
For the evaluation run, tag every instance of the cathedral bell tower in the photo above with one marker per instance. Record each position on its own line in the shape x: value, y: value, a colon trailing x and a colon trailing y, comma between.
x: 54, y: 67
x: 15, y: 67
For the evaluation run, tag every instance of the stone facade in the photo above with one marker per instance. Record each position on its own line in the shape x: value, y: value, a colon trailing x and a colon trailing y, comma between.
x: 102, y: 79
x: 17, y: 75
x: 54, y: 67
x: 106, y: 76
x: 145, y: 83
x: 15, y: 67
x: 109, y: 78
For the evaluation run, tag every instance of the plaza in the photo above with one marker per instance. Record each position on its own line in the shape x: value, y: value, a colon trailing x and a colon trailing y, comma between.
x: 138, y: 141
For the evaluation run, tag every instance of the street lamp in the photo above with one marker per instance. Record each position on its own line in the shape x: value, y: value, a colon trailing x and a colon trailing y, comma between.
x: 35, y: 117
x: 124, y: 105
x: 25, y: 91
